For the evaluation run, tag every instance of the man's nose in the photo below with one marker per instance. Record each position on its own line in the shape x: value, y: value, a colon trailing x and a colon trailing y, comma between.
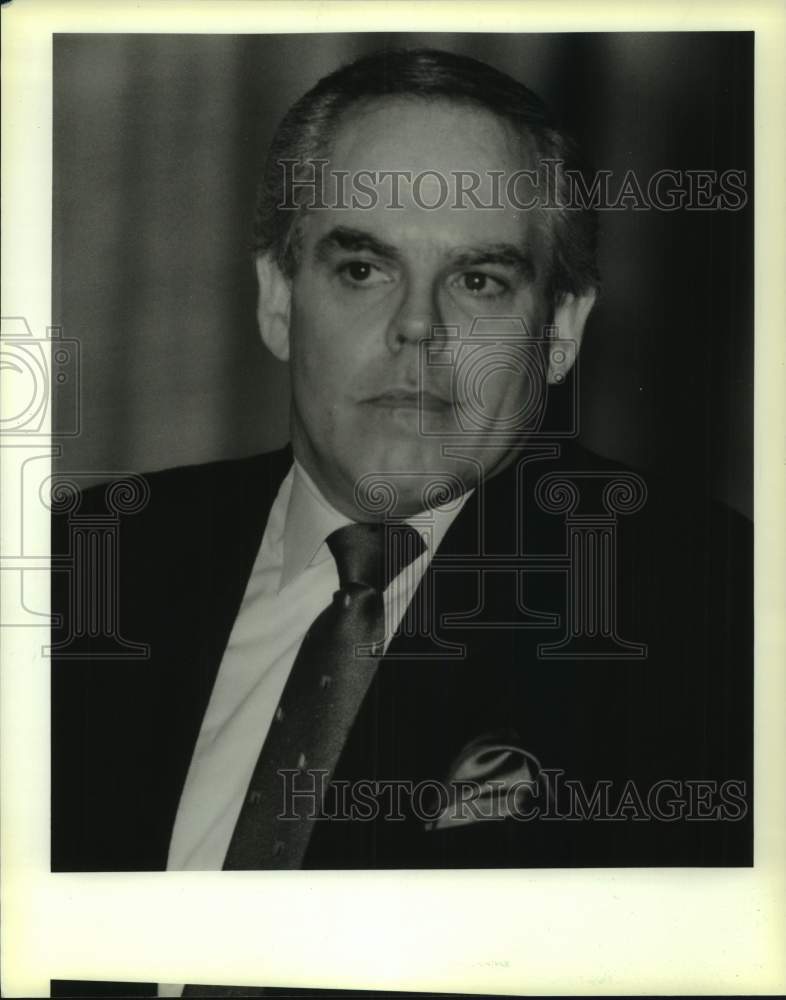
x: 415, y: 318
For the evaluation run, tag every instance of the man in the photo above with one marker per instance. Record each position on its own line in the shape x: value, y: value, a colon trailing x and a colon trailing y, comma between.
x: 544, y: 662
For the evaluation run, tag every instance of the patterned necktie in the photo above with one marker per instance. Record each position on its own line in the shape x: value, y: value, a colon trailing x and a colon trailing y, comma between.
x: 328, y: 681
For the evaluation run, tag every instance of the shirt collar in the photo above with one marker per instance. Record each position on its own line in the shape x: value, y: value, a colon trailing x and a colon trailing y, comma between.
x: 310, y: 519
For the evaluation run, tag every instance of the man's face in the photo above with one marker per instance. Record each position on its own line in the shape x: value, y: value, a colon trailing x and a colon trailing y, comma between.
x: 373, y: 285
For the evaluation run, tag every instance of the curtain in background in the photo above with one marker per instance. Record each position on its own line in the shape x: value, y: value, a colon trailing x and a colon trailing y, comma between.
x: 157, y: 144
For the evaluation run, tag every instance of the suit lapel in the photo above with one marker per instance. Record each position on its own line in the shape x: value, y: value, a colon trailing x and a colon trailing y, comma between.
x: 236, y: 510
x: 226, y: 527
x: 220, y: 519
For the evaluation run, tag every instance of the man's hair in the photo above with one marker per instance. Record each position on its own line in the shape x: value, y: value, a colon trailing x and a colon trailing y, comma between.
x: 307, y: 131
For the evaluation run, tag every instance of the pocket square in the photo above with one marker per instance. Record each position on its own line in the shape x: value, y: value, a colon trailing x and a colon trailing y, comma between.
x: 490, y: 779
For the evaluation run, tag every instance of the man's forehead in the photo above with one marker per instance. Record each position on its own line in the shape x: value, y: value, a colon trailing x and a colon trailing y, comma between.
x: 416, y: 134
x: 426, y: 178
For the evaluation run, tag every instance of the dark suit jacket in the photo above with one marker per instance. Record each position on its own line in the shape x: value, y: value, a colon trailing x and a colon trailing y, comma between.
x: 123, y: 730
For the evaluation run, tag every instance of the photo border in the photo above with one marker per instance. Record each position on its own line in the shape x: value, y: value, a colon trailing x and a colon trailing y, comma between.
x: 518, y: 931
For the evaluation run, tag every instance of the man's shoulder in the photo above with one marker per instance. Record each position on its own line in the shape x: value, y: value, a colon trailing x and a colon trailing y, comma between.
x: 249, y: 466
x: 164, y: 517
x: 570, y: 481
x: 193, y: 489
x: 223, y: 482
x: 651, y: 494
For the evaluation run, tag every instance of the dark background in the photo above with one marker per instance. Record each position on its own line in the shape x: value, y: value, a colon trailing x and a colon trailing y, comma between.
x: 158, y: 140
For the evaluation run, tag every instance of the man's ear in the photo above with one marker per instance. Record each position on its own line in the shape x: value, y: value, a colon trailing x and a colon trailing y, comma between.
x: 570, y: 315
x: 273, y: 306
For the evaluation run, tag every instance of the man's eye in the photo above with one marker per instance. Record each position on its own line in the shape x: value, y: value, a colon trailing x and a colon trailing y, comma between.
x: 361, y: 272
x: 481, y: 285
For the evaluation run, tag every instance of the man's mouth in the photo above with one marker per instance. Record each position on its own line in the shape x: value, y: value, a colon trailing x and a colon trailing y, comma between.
x: 409, y: 399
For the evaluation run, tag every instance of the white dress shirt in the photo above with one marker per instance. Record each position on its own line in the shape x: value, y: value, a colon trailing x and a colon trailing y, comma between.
x: 292, y: 581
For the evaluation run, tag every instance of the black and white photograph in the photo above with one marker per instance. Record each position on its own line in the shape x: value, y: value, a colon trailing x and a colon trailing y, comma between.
x: 402, y: 464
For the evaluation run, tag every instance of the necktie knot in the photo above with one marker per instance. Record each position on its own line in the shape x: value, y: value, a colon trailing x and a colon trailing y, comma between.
x: 373, y: 553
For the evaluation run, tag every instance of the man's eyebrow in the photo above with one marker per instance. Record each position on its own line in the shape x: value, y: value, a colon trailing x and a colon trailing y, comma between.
x: 505, y: 254
x: 360, y: 241
x: 355, y: 241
